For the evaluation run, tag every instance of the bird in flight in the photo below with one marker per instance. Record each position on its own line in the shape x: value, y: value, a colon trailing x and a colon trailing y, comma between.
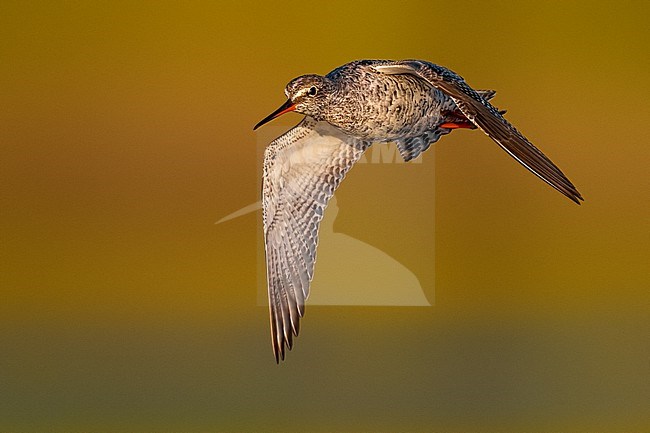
x: 411, y: 103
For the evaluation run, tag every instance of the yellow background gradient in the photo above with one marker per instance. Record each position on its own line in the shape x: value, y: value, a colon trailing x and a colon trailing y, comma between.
x: 126, y: 132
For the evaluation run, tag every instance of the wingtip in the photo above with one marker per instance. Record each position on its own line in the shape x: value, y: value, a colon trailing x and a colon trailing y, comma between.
x: 281, y: 347
x: 575, y: 195
x: 278, y: 353
x: 576, y: 198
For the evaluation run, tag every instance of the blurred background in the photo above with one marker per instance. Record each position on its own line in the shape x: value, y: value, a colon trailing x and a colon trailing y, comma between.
x: 126, y: 132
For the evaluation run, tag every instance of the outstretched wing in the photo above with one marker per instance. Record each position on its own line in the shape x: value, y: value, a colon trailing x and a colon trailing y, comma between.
x: 484, y: 115
x: 302, y: 169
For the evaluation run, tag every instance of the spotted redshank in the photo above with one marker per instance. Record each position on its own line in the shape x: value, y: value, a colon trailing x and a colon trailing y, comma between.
x: 411, y: 103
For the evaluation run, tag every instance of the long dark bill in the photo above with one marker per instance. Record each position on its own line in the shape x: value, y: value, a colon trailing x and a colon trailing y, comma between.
x: 285, y: 108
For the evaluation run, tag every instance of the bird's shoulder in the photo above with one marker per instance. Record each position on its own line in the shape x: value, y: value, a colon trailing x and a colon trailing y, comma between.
x: 356, y: 67
x: 422, y: 68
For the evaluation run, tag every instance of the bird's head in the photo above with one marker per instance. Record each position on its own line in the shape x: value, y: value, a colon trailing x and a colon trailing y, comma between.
x: 305, y: 95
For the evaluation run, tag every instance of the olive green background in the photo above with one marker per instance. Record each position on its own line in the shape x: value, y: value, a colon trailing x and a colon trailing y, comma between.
x: 126, y: 132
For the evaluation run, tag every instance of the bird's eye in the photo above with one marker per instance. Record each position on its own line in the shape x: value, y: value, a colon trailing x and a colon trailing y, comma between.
x: 312, y: 91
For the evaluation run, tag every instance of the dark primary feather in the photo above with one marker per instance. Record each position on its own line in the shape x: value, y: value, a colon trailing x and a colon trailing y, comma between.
x: 484, y: 115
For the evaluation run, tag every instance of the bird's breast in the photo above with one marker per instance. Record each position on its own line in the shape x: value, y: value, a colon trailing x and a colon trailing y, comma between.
x: 385, y: 107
